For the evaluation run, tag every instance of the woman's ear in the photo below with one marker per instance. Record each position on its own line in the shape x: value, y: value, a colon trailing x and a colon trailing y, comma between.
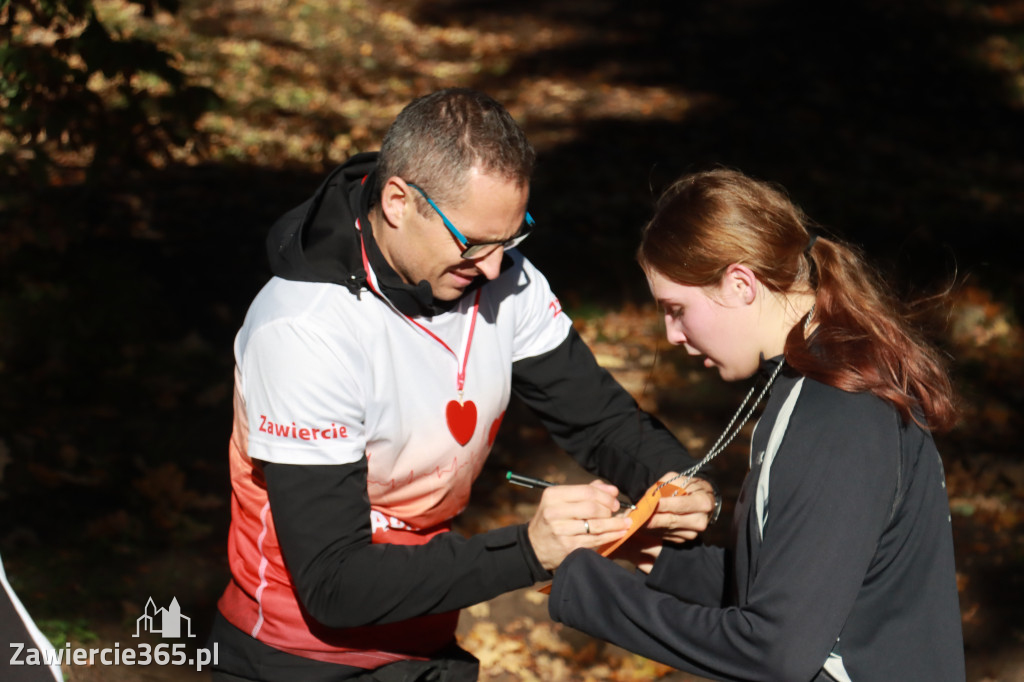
x: 740, y: 283
x: 395, y: 200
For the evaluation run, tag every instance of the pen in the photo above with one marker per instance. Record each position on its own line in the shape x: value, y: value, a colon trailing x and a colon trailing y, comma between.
x: 531, y: 482
x: 527, y: 481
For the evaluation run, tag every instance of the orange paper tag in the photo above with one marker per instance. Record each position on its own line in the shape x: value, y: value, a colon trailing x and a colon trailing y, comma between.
x: 640, y: 516
x: 643, y: 512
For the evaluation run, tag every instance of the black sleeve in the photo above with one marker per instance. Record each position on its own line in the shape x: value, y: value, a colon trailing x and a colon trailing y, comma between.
x: 322, y: 519
x: 595, y: 420
x: 692, y: 572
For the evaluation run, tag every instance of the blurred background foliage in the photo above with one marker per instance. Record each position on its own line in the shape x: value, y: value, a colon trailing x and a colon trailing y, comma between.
x: 146, y: 146
x: 74, y: 85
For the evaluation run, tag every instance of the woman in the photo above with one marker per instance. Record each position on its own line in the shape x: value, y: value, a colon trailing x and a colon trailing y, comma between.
x: 841, y: 564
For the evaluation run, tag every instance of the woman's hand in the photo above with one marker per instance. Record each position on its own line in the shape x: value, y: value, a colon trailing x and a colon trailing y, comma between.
x: 574, y: 516
x: 683, y: 517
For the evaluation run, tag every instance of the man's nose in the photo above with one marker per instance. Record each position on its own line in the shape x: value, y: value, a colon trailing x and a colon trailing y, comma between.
x: 490, y: 265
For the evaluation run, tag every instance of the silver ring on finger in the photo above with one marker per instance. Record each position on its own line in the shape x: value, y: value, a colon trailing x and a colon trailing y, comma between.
x: 586, y: 526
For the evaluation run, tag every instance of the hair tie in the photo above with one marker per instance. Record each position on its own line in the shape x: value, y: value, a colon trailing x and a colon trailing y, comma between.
x: 810, y: 243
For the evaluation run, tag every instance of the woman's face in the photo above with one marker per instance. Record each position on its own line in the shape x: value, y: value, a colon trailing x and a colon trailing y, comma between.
x: 715, y: 322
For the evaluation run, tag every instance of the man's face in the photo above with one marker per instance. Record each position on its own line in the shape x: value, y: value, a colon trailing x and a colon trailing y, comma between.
x: 420, y: 247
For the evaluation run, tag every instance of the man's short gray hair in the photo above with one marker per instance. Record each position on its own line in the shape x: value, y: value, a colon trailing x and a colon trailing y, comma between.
x: 438, y: 138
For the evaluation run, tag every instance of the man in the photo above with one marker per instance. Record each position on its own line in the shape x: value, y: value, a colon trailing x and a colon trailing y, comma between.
x: 372, y: 374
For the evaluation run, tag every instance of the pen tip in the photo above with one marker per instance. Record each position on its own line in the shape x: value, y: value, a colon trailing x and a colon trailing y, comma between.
x: 508, y: 475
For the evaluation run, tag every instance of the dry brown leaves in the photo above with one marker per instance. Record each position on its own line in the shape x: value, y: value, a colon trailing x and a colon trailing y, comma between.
x: 532, y: 651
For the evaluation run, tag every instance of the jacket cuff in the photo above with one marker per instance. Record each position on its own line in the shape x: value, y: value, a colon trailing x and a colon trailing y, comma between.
x: 537, y: 572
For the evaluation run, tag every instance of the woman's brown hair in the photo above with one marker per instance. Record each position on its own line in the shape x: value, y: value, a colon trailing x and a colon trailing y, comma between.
x: 706, y: 221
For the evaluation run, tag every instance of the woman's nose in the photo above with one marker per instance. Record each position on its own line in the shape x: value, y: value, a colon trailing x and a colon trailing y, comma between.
x: 673, y: 333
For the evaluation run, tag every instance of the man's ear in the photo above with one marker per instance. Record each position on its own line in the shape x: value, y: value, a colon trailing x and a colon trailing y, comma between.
x: 395, y: 200
x: 740, y: 283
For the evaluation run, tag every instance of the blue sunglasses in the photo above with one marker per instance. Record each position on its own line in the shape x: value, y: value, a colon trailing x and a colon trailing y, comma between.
x: 478, y: 249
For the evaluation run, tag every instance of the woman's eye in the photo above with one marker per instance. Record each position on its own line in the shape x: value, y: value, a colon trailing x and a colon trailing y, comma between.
x: 674, y: 312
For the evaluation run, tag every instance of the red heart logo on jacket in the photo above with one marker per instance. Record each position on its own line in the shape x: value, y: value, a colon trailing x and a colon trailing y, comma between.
x: 461, y: 420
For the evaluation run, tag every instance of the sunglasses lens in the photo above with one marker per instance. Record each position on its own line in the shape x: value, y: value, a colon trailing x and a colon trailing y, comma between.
x: 480, y: 250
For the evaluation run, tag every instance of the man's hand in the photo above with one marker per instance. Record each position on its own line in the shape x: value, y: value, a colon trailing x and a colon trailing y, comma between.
x: 574, y: 516
x: 682, y: 517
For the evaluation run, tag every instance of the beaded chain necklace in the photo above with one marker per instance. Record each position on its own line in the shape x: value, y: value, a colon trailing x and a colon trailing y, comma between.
x: 727, y: 435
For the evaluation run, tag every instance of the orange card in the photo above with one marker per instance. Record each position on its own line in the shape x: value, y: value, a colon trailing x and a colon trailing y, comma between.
x: 644, y: 510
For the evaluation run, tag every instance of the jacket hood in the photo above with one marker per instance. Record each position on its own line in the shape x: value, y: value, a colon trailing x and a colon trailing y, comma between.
x: 317, y: 241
